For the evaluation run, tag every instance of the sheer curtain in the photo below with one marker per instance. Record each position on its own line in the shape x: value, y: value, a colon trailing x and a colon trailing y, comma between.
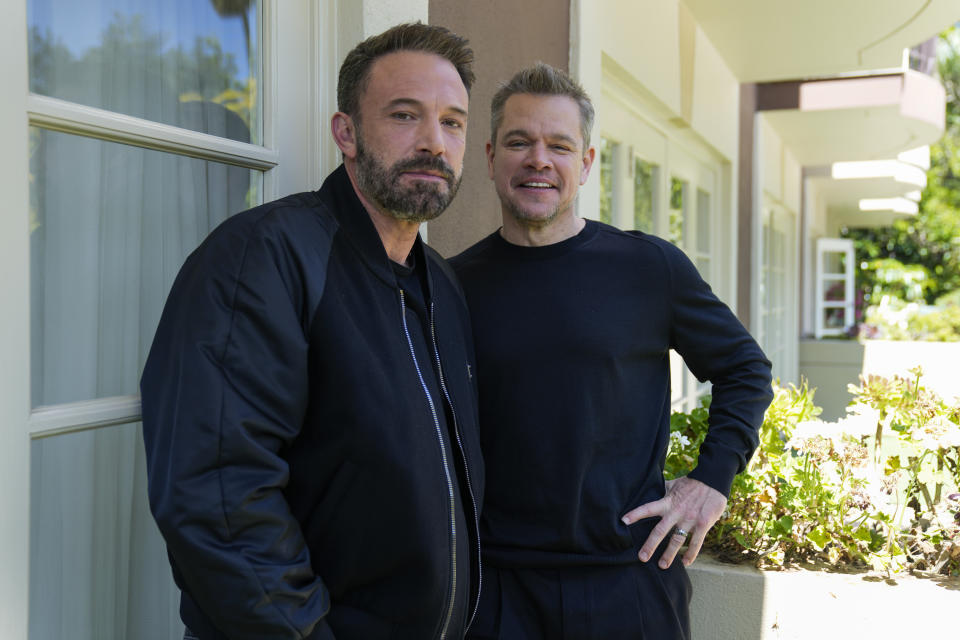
x: 110, y: 226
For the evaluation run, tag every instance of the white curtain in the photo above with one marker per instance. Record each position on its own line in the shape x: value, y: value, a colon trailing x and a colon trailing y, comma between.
x: 111, y: 226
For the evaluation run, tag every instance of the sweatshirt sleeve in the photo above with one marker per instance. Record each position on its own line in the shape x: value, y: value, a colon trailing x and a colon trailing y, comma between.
x: 717, y: 347
x: 224, y: 390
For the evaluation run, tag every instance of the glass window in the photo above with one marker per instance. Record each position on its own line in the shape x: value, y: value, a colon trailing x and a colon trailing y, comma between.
x: 645, y: 176
x: 194, y: 64
x: 835, y: 262
x: 606, y: 181
x: 677, y: 385
x: 703, y: 233
x: 678, y: 189
x: 112, y: 224
x: 98, y: 566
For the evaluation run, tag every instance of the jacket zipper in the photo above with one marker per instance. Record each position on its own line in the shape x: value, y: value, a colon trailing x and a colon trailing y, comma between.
x: 448, y: 615
x: 466, y: 465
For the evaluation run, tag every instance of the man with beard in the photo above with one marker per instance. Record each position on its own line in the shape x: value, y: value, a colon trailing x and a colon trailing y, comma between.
x: 309, y: 410
x: 573, y: 323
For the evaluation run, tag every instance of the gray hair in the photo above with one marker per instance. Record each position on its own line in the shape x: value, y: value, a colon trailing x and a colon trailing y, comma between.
x: 542, y: 79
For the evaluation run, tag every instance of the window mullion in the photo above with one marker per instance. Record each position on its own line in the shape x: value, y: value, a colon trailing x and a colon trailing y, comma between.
x: 68, y: 117
x: 80, y: 416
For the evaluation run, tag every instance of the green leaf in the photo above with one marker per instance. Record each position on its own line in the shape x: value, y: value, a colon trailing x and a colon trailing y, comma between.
x: 740, y: 539
x: 785, y: 525
x: 819, y: 537
x: 863, y: 533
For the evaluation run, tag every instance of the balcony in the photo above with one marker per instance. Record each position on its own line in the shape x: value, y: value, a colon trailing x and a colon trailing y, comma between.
x: 873, y: 117
x: 871, y: 193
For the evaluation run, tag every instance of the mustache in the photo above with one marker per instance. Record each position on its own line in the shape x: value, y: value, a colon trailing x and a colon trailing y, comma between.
x: 426, y: 164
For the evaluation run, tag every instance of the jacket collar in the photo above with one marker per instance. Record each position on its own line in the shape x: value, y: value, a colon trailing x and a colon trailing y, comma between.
x: 341, y: 198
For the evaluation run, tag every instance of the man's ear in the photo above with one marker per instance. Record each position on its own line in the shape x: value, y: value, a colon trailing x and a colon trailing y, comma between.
x: 344, y: 134
x: 490, y: 159
x: 587, y: 163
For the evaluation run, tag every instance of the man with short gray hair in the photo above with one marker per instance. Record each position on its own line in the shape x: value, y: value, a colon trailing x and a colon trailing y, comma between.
x: 573, y: 324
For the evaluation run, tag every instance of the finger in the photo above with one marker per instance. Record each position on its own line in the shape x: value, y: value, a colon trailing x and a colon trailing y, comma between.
x: 648, y: 510
x: 657, y: 534
x: 694, y: 544
x: 673, y: 546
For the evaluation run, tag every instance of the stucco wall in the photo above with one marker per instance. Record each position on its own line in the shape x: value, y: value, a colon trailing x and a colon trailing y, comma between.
x: 780, y: 172
x: 506, y: 37
x: 660, y: 46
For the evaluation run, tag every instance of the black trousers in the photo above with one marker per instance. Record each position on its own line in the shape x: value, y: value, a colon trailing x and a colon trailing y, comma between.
x: 632, y: 601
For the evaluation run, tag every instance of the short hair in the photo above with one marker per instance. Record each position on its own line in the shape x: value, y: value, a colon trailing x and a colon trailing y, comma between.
x: 355, y: 70
x: 542, y: 79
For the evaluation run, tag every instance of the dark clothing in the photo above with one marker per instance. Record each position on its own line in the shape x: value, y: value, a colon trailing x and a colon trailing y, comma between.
x: 613, y: 602
x: 412, y: 282
x: 296, y: 468
x: 573, y: 345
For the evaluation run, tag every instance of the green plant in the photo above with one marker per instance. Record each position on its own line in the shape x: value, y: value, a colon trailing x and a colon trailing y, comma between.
x: 894, y: 319
x: 876, y: 489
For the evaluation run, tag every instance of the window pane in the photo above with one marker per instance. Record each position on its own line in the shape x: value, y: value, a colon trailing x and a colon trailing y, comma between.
x: 98, y: 565
x: 677, y: 369
x: 190, y: 63
x: 111, y: 226
x: 703, y: 221
x: 836, y: 290
x: 678, y: 189
x: 606, y: 181
x: 834, y: 318
x: 644, y: 192
x: 834, y: 262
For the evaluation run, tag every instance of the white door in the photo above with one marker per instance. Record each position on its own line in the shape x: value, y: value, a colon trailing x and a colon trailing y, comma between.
x: 131, y: 128
x: 776, y: 325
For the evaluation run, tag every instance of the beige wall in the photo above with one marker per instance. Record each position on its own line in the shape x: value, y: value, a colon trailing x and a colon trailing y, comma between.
x: 666, y: 53
x: 506, y: 36
x: 780, y: 171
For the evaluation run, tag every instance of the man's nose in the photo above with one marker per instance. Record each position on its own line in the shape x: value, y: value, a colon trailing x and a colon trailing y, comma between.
x: 431, y: 138
x: 539, y: 157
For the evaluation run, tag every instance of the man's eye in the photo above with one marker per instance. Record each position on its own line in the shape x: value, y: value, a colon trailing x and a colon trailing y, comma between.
x: 516, y: 144
x: 455, y: 124
x: 402, y: 115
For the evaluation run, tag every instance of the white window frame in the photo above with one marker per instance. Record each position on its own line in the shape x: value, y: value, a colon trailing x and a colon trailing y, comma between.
x: 639, y: 130
x: 784, y: 354
x: 824, y: 279
x: 300, y: 71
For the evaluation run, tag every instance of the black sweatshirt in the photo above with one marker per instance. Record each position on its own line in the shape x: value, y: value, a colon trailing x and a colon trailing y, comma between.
x: 572, y: 343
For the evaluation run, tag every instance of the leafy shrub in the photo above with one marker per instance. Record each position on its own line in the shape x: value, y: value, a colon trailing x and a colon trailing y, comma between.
x: 877, y: 489
x: 894, y: 319
x: 951, y: 299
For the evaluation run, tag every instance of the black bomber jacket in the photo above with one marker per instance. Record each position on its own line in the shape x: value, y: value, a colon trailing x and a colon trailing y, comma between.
x: 295, y: 470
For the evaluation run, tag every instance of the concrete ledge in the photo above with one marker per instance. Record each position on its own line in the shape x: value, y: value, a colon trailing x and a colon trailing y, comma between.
x: 830, y: 365
x: 732, y: 602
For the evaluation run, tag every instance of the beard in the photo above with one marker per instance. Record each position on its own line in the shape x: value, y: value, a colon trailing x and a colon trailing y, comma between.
x: 527, y: 219
x: 418, y: 202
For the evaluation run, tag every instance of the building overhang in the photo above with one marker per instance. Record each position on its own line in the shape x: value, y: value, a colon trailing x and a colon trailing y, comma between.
x: 763, y: 41
x: 871, y: 193
x: 857, y: 118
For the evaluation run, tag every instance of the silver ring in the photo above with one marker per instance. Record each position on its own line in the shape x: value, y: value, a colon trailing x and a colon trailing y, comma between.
x: 680, y: 532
